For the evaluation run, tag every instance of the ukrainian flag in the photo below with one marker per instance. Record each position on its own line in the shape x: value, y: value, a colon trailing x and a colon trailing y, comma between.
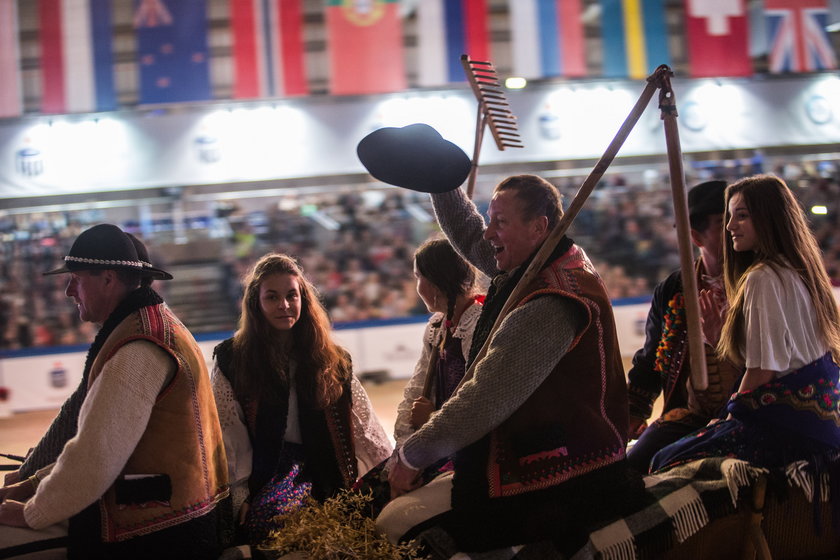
x: 635, y: 37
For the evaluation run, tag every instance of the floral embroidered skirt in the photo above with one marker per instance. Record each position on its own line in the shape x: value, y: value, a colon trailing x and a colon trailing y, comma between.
x: 286, y: 492
x: 792, y: 418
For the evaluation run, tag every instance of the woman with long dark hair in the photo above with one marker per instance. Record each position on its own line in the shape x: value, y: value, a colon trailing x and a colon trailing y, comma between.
x: 296, y: 421
x: 447, y: 285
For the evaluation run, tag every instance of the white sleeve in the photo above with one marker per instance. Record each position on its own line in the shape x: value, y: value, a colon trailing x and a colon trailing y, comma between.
x: 112, y: 420
x: 237, y: 441
x: 767, y: 338
x: 369, y: 439
x: 414, y: 387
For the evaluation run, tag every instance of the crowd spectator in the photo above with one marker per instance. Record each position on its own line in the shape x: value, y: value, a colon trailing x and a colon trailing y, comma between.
x: 356, y: 247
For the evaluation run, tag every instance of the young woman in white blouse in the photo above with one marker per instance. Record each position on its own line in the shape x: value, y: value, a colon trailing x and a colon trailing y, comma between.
x: 295, y: 420
x: 782, y: 327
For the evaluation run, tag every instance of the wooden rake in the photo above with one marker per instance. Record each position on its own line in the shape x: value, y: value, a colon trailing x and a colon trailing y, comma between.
x: 493, y: 112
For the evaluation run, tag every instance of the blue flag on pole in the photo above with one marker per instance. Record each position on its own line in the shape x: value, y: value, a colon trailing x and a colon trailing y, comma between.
x: 172, y: 52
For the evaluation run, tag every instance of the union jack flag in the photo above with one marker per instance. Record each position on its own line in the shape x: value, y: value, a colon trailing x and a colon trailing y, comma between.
x: 797, y: 36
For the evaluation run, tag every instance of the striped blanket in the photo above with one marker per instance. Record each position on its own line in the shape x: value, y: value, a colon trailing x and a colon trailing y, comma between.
x: 680, y: 502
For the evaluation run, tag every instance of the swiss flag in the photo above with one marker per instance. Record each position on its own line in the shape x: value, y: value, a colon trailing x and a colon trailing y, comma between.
x: 718, y: 38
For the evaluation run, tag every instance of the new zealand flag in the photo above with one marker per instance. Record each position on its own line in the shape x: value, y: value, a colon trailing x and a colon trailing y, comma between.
x: 172, y: 52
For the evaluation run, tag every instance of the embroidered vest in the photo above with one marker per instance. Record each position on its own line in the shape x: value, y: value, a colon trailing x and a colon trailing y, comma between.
x: 178, y: 471
x: 327, y: 434
x: 576, y: 421
x: 673, y: 364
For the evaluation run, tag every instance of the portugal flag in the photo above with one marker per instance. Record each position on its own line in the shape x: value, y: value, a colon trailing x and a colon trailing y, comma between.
x: 365, y: 46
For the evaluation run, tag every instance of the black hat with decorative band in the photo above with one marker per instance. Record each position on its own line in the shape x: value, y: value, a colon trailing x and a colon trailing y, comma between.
x: 106, y: 246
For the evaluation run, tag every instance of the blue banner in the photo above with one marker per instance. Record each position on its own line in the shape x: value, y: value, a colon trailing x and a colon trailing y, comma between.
x: 103, y: 56
x: 172, y: 51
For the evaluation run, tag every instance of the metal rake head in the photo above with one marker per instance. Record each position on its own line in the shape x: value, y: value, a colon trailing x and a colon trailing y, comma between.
x: 491, y: 98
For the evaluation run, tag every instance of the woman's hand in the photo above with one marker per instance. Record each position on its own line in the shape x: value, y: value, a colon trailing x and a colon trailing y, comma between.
x: 755, y: 377
x: 421, y: 409
x: 711, y: 316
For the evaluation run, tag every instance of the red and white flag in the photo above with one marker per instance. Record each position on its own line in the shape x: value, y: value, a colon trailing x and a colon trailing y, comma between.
x: 11, y: 104
x: 718, y: 38
x: 77, y: 72
x: 268, y: 52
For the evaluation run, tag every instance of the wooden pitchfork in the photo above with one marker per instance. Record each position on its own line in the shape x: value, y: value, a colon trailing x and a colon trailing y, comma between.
x: 660, y: 79
x: 493, y: 112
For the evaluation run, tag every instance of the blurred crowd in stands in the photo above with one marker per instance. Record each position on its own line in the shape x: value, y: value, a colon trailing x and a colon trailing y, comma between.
x: 357, y: 248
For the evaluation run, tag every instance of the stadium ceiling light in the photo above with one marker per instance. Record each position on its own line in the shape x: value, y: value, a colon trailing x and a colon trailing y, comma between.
x: 819, y: 209
x: 515, y: 82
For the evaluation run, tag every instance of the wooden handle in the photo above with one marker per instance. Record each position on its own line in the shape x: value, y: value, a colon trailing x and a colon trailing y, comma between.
x: 481, y: 122
x: 697, y: 350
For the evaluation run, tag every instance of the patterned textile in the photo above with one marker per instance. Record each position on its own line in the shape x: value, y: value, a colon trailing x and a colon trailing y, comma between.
x: 679, y: 503
x: 794, y: 417
x: 286, y: 492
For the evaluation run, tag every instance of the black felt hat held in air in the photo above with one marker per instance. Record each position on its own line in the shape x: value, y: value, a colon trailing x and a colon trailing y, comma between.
x: 414, y: 157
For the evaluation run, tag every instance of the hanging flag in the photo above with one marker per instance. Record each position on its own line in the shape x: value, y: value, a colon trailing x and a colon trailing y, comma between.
x: 11, y: 104
x: 635, y: 37
x: 77, y: 64
x: 758, y: 28
x: 797, y: 36
x: 547, y: 38
x: 718, y: 38
x: 267, y: 48
x: 365, y: 46
x: 172, y: 54
x: 833, y: 16
x: 446, y: 29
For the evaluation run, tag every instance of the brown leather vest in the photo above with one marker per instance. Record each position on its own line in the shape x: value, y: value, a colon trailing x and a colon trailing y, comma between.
x: 178, y: 471
x: 576, y: 421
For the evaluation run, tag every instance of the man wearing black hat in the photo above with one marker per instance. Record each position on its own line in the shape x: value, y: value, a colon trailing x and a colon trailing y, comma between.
x: 662, y: 365
x: 65, y: 424
x: 145, y: 473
